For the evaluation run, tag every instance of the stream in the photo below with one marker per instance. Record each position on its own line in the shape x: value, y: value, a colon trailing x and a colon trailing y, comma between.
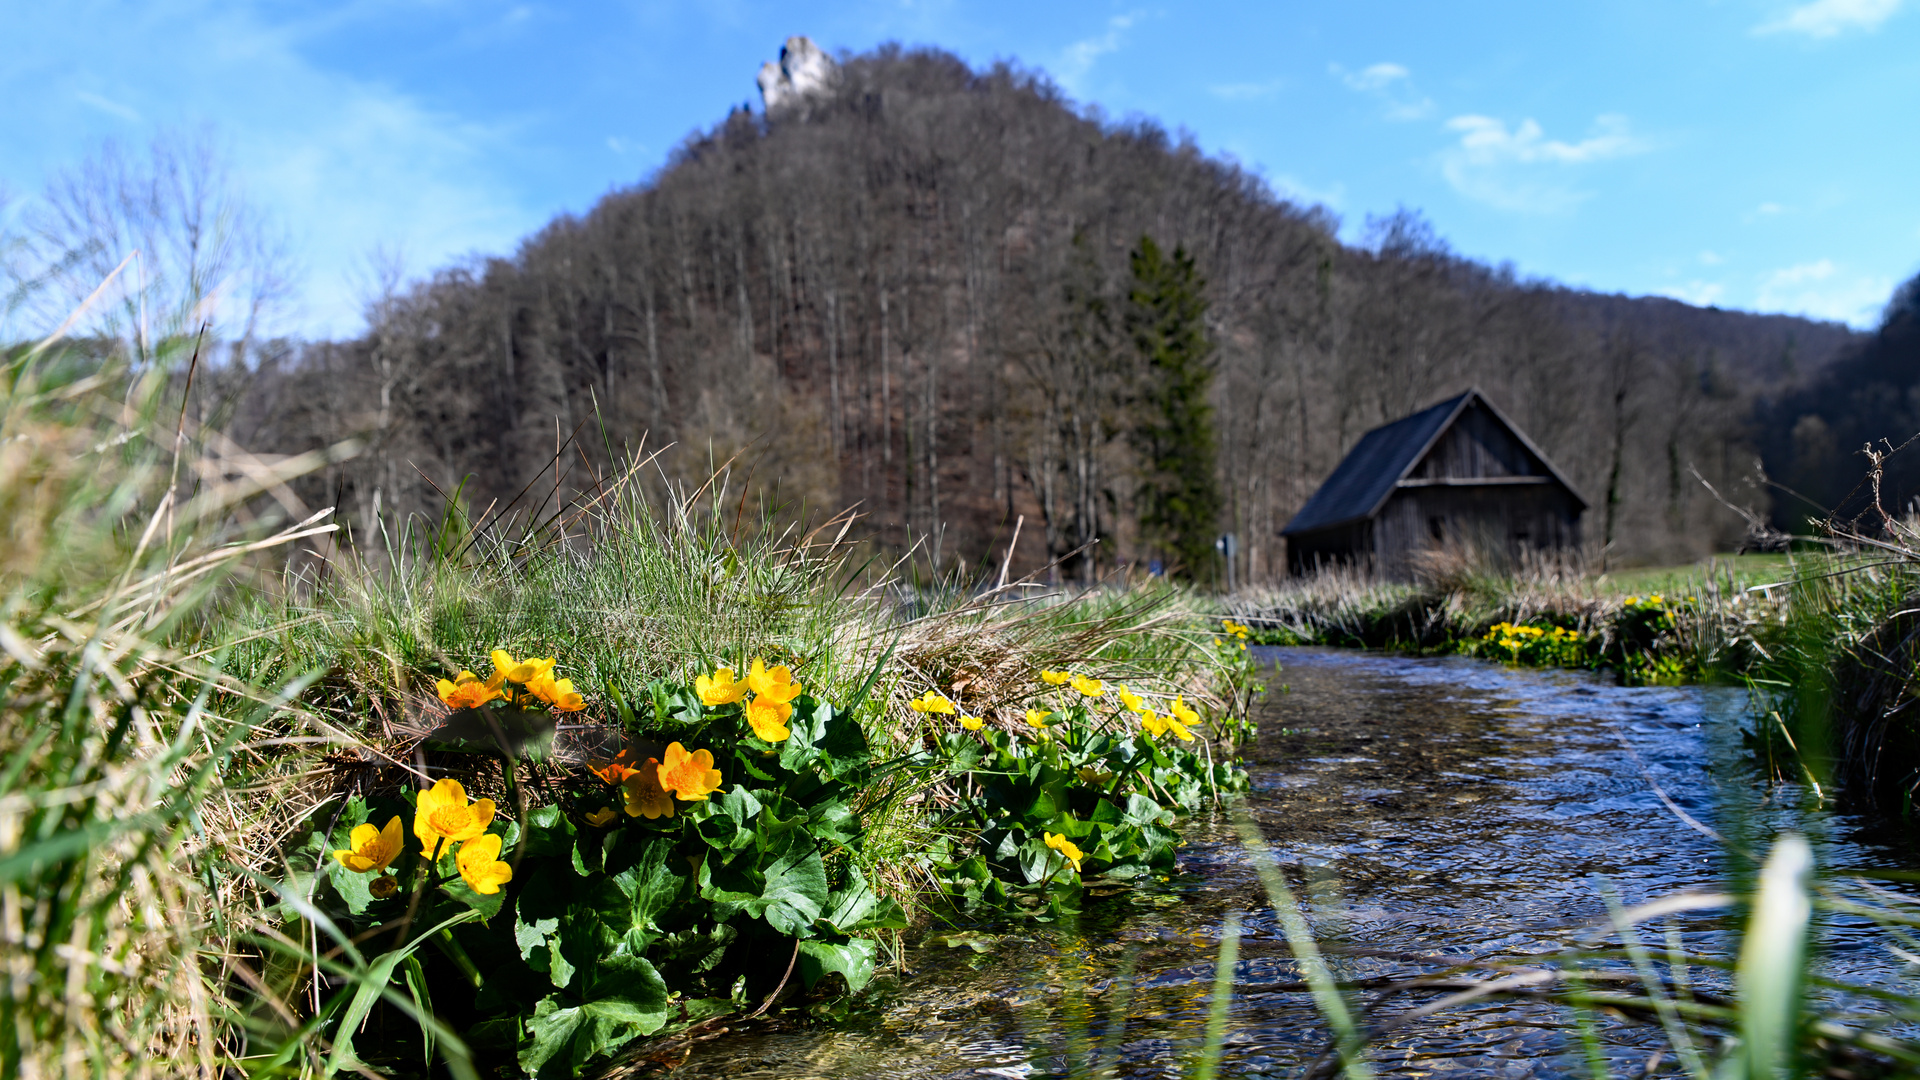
x: 1431, y: 806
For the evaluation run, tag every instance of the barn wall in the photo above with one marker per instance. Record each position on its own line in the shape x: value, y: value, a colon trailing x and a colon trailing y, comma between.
x: 1507, y: 519
x: 1477, y: 445
x: 1341, y: 545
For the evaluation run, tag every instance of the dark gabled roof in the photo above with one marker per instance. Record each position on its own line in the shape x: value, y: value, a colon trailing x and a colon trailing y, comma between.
x: 1364, y: 479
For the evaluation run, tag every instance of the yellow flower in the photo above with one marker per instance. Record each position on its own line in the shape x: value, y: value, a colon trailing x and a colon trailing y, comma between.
x: 1153, y: 725
x: 972, y: 723
x: 690, y: 776
x: 383, y: 887
x: 1184, y: 711
x: 1174, y: 725
x: 560, y: 694
x: 468, y: 692
x: 371, y: 849
x: 769, y: 718
x: 643, y: 793
x: 932, y: 702
x: 520, y: 671
x: 601, y: 817
x: 1128, y: 698
x: 720, y: 689
x: 1632, y: 601
x: 1038, y: 717
x: 1091, y: 775
x: 441, y: 813
x: 1089, y: 687
x: 1055, y: 678
x: 480, y: 865
x: 1066, y: 848
x: 776, y: 686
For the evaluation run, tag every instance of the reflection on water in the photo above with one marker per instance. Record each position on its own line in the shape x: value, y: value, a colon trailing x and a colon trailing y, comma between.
x: 1423, y: 806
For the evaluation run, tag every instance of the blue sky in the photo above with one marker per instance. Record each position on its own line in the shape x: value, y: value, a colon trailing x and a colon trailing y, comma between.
x: 1757, y: 154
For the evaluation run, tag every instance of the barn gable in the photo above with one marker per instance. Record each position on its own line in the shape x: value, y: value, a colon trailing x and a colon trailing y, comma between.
x: 1456, y: 468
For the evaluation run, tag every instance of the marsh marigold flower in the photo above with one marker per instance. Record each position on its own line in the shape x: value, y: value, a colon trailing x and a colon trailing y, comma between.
x: 520, y: 671
x: 690, y: 776
x: 1038, y: 717
x: 370, y: 849
x: 1055, y: 678
x: 776, y: 685
x: 480, y: 865
x: 467, y: 691
x: 972, y: 723
x: 442, y: 814
x: 768, y: 718
x: 1129, y: 699
x: 1066, y: 848
x: 642, y: 793
x: 720, y: 688
x: 602, y: 817
x: 1089, y: 687
x: 932, y: 702
x: 1184, y: 712
x: 1152, y: 724
x: 558, y: 693
x: 384, y: 887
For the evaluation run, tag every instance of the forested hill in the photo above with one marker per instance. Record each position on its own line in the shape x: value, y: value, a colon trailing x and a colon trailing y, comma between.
x: 909, y: 293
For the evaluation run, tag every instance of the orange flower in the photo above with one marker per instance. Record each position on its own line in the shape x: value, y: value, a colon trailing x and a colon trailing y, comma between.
x: 441, y: 814
x: 480, y: 865
x: 559, y: 694
x: 690, y: 776
x: 776, y: 686
x: 642, y: 791
x: 468, y: 692
x: 769, y: 718
x: 613, y: 771
x: 721, y: 689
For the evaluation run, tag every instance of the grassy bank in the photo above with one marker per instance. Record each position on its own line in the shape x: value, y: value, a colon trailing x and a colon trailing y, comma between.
x: 531, y: 791
x: 1667, y: 626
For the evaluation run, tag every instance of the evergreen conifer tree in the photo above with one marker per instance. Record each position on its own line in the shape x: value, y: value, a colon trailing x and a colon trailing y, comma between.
x: 1180, y: 497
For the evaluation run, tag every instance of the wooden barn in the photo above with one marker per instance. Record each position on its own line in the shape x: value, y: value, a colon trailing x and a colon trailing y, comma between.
x: 1458, y: 474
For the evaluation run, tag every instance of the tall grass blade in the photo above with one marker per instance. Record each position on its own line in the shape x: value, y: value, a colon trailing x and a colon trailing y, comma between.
x: 1772, y: 962
x: 1222, y: 998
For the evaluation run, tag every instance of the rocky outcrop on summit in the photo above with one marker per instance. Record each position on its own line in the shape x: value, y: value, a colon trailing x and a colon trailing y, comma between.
x: 804, y: 69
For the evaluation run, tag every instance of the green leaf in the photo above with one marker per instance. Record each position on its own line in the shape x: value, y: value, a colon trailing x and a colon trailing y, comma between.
x: 627, y: 999
x: 729, y: 825
x: 796, y: 891
x: 548, y: 832
x: 852, y: 959
x: 854, y: 907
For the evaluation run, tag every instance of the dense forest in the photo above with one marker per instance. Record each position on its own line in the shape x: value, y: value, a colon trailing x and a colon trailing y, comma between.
x: 909, y: 293
x: 1814, y: 431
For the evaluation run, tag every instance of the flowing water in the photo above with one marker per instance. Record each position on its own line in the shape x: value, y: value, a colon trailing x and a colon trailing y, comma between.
x: 1422, y: 806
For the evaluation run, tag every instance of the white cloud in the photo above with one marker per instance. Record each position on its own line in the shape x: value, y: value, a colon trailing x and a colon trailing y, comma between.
x: 1821, y: 290
x: 1711, y: 258
x: 1520, y: 168
x: 109, y: 106
x: 1247, y: 91
x: 1077, y: 60
x: 1830, y: 18
x: 1392, y: 85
